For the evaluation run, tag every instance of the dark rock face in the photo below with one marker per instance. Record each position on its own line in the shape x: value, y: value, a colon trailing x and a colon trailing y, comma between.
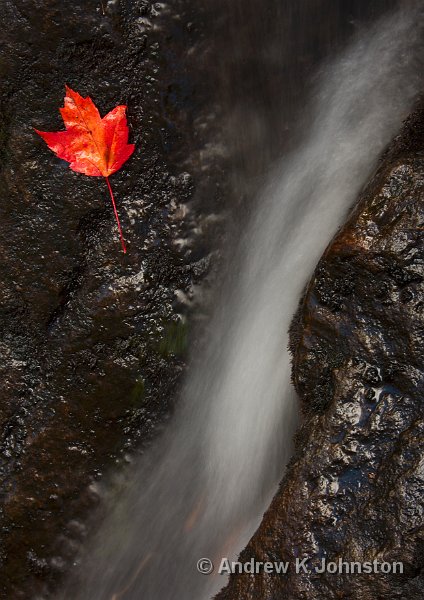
x: 92, y: 341
x: 354, y: 489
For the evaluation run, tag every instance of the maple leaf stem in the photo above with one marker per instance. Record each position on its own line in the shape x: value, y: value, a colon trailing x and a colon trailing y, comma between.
x: 116, y: 216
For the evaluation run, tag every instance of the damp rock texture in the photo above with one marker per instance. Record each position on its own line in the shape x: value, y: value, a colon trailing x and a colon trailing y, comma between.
x: 92, y: 342
x: 354, y: 489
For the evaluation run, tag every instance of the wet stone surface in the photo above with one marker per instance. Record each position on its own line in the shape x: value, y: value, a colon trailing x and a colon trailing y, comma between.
x: 92, y: 342
x: 354, y: 489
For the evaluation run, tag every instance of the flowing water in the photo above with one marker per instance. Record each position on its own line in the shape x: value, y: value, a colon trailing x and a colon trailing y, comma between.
x: 202, y: 491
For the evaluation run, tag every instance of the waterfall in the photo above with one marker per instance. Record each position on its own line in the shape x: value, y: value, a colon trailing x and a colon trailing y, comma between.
x: 202, y: 490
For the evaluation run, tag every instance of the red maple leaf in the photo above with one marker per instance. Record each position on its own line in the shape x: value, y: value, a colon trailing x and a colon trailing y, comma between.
x: 92, y: 145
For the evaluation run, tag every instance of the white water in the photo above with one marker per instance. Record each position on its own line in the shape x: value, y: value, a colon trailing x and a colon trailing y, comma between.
x: 205, y: 487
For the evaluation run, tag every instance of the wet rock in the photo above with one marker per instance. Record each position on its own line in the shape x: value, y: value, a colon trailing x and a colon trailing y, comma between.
x: 93, y: 343
x: 354, y: 489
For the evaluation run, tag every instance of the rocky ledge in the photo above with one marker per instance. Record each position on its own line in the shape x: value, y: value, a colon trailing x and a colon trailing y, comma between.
x: 354, y: 489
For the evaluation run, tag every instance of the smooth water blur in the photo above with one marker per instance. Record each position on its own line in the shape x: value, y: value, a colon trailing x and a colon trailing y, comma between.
x: 201, y: 492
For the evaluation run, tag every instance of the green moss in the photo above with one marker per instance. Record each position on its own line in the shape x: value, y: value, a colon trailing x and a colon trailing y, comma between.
x: 174, y: 340
x: 138, y: 392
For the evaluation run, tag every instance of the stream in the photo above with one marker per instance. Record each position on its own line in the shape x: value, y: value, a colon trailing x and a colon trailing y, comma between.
x: 200, y: 491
